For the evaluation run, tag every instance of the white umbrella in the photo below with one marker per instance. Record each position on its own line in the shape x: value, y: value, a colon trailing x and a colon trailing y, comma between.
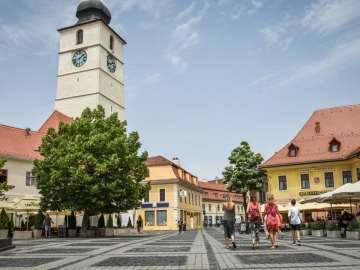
x: 328, y: 196
x: 351, y: 191
x: 27, y: 204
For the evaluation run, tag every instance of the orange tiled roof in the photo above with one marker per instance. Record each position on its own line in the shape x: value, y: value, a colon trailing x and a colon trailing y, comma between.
x: 18, y: 142
x: 53, y: 121
x: 220, y: 189
x: 341, y: 123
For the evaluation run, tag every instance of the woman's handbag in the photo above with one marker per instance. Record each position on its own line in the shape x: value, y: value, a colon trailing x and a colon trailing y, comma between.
x: 223, y: 221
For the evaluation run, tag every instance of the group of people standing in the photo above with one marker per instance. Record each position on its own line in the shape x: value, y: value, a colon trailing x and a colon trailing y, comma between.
x: 271, y: 218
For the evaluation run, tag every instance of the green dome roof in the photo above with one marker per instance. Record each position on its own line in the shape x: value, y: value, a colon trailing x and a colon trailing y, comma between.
x: 90, y: 10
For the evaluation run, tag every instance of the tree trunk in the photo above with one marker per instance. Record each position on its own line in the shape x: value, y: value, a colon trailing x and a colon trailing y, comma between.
x: 84, y: 224
x: 245, y: 207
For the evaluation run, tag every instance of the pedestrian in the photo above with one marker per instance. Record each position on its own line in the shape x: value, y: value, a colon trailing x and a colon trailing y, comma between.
x: 139, y: 225
x: 255, y: 219
x: 228, y: 221
x: 184, y: 226
x: 279, y: 221
x: 180, y: 224
x: 271, y: 210
x: 47, y: 225
x: 294, y: 218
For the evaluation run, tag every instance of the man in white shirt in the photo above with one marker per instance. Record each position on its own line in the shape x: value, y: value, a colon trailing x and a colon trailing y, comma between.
x: 294, y: 219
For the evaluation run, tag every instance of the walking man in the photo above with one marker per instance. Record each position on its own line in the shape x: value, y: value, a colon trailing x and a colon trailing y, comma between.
x: 47, y: 224
x: 180, y: 224
x: 294, y: 218
x: 139, y: 225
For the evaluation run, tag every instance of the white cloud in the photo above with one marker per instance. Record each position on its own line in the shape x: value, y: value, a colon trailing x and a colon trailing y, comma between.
x: 257, y: 4
x: 327, y: 16
x: 273, y: 34
x: 137, y: 88
x: 186, y: 12
x: 147, y: 25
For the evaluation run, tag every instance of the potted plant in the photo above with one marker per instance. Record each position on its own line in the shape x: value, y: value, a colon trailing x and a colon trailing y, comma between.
x: 72, y: 224
x: 4, y: 224
x: 39, y: 219
x: 303, y: 229
x: 118, y: 225
x: 91, y: 233
x: 353, y: 231
x: 101, y: 226
x: 109, y: 226
x: 317, y: 229
x: 309, y: 229
x: 332, y: 230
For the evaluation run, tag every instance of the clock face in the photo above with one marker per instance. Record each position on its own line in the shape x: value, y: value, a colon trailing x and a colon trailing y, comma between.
x: 79, y: 58
x: 111, y: 63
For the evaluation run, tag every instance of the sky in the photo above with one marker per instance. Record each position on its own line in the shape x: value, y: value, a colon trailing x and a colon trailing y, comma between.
x: 200, y: 76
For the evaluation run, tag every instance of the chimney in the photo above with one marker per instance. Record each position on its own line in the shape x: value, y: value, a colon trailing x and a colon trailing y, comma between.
x: 176, y: 161
x: 27, y: 132
x: 216, y: 179
x: 317, y: 127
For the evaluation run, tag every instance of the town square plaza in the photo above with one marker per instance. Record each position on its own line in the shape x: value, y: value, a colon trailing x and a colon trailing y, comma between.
x: 196, y: 249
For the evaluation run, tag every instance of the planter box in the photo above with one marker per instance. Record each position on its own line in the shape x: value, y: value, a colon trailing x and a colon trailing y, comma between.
x: 91, y: 233
x: 309, y: 231
x: 317, y: 233
x: 22, y: 234
x: 100, y: 232
x: 333, y: 234
x: 132, y: 231
x: 304, y: 232
x: 109, y: 232
x: 353, y: 235
x: 119, y: 231
x: 72, y: 232
x: 4, y: 233
x: 37, y: 233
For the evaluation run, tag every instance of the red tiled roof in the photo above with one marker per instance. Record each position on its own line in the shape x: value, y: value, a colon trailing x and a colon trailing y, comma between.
x: 54, y: 120
x: 18, y: 142
x: 220, y: 189
x: 341, y: 123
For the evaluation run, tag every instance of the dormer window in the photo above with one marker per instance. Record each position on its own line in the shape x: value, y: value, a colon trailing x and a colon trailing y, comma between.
x: 79, y: 37
x: 334, y: 145
x: 111, y: 43
x: 293, y: 150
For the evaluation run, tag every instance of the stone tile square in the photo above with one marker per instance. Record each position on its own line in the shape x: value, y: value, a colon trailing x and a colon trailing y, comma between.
x: 158, y: 249
x: 28, y: 262
x: 145, y: 261
x: 284, y: 258
x: 61, y: 250
x: 90, y: 244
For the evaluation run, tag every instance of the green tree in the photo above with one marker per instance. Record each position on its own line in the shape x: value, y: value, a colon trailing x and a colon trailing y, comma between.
x: 4, y: 220
x: 72, y: 220
x: 118, y: 222
x: 101, y: 221
x: 91, y: 165
x: 4, y: 186
x: 129, y: 225
x: 39, y: 219
x: 109, y: 223
x: 244, y: 173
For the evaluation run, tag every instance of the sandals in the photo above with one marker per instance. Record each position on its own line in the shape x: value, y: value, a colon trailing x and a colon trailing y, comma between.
x: 227, y: 246
x: 253, y: 246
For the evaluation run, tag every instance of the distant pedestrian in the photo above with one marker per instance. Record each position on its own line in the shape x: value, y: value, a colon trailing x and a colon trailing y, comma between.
x: 265, y: 229
x: 255, y: 219
x: 180, y: 224
x: 184, y: 226
x: 228, y: 221
x: 139, y: 225
x: 271, y: 210
x: 47, y: 225
x: 294, y: 218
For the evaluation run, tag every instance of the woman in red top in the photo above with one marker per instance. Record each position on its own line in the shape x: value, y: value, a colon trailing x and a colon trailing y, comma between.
x: 271, y: 210
x: 255, y: 218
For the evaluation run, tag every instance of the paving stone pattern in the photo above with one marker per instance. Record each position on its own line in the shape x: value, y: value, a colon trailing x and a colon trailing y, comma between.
x: 197, y: 249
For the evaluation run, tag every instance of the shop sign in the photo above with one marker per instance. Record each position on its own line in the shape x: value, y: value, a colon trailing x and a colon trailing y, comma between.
x: 312, y: 193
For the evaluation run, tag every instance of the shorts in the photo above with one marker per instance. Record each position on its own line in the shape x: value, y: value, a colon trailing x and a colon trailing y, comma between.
x: 272, y: 227
x: 295, y: 227
x: 47, y: 228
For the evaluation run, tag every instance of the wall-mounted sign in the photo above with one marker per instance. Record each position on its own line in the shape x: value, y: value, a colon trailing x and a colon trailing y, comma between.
x: 183, y: 193
x: 327, y: 168
x: 312, y: 193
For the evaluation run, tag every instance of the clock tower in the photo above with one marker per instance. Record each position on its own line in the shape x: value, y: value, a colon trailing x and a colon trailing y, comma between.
x: 90, y: 63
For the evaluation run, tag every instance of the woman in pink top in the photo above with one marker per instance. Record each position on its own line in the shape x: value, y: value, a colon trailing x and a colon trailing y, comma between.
x: 272, y: 211
x: 255, y: 218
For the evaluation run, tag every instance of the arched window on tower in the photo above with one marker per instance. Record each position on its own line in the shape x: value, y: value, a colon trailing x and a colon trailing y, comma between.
x: 79, y: 37
x: 111, y: 43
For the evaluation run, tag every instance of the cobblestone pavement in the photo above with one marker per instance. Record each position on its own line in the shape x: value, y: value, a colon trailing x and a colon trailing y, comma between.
x: 198, y: 249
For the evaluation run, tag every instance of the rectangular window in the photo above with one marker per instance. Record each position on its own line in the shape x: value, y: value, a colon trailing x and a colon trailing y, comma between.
x: 218, y: 207
x: 147, y: 197
x: 209, y: 207
x: 329, y: 179
x: 346, y: 177
x: 3, y: 176
x: 238, y: 208
x: 282, y: 182
x: 162, y: 194
x: 305, y: 181
x: 161, y: 218
x: 195, y: 199
x: 149, y: 218
x: 358, y: 173
x: 181, y: 214
x: 189, y: 197
x: 192, y: 198
x: 203, y: 207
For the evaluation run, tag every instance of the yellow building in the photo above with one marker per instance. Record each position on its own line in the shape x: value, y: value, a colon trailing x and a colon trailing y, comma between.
x: 323, y: 156
x: 175, y: 194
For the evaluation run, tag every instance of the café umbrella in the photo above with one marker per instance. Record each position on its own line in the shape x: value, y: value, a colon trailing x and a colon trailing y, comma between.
x: 27, y: 204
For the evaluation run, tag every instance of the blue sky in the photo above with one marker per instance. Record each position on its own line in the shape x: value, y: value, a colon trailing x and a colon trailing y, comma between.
x: 200, y: 76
